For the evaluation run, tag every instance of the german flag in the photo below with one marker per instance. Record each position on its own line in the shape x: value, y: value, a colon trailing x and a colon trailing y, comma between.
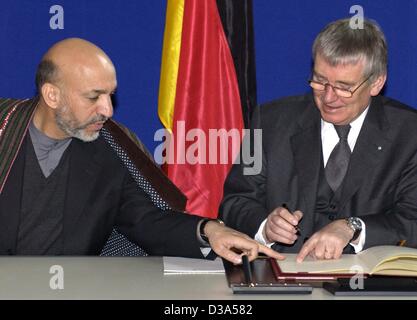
x: 199, y: 103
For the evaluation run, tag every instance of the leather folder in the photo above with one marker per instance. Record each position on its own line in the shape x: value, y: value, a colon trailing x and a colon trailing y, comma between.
x: 263, y: 280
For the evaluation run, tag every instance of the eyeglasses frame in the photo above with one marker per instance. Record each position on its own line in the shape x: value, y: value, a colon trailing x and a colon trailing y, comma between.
x: 337, y: 88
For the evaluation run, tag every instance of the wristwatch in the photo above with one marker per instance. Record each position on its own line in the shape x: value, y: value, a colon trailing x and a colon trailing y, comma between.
x: 356, y: 225
x: 202, y: 236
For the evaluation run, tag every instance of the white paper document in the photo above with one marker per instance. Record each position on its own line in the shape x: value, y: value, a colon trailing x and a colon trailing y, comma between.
x: 176, y: 265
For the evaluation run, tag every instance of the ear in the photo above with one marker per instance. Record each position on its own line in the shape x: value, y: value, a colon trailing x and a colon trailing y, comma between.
x: 51, y: 94
x: 378, y: 84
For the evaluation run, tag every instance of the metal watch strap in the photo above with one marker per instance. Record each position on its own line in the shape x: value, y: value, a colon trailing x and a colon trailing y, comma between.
x: 355, y: 225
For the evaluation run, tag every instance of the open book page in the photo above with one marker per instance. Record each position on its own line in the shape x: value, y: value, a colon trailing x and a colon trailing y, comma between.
x: 177, y: 265
x: 399, y: 264
x: 372, y: 260
x: 310, y: 265
x: 393, y: 260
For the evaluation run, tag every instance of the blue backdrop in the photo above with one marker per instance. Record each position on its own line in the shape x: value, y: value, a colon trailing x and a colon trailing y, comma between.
x: 131, y: 32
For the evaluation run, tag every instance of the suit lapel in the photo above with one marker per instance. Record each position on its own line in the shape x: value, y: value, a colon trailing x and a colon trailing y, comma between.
x: 83, y: 172
x: 368, y: 151
x: 306, y: 148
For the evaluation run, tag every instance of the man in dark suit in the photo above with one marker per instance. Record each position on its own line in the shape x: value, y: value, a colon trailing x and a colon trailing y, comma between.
x: 339, y: 167
x: 63, y: 186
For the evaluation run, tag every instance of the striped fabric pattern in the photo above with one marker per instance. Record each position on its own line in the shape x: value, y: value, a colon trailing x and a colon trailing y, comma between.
x: 14, y: 122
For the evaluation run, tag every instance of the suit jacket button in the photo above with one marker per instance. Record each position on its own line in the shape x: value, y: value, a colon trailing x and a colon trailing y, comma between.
x: 332, y: 206
x: 331, y: 217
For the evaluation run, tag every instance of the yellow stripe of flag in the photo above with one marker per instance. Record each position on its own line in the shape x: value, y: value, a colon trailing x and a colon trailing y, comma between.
x: 170, y: 61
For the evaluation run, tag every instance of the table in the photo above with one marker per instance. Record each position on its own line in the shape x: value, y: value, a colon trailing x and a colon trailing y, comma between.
x: 118, y: 278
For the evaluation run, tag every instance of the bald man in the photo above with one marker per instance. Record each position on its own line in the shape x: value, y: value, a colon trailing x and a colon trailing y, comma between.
x: 64, y: 186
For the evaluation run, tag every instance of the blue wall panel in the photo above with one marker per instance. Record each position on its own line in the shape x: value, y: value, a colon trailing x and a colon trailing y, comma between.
x: 285, y: 33
x: 131, y: 32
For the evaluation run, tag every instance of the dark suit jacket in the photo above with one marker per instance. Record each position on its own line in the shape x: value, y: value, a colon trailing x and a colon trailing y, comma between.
x: 101, y: 195
x: 380, y: 186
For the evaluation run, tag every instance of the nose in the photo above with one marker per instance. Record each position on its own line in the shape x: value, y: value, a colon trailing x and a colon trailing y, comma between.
x: 105, y: 106
x: 329, y: 95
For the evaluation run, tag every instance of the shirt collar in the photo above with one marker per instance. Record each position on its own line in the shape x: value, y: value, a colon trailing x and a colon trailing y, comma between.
x: 355, y: 125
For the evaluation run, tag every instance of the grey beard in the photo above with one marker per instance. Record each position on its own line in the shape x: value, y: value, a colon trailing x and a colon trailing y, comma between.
x: 68, y: 126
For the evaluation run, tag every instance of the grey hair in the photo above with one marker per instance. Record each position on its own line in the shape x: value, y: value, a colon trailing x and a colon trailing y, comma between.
x: 47, y: 72
x: 339, y: 44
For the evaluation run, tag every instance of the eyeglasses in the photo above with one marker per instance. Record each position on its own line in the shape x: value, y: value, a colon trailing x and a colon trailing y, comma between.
x: 343, y: 93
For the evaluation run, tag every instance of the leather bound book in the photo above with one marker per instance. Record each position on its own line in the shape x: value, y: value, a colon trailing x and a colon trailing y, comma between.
x: 379, y: 260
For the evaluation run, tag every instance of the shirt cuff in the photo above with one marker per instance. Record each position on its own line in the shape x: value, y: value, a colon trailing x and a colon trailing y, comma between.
x: 260, y: 237
x: 359, y: 247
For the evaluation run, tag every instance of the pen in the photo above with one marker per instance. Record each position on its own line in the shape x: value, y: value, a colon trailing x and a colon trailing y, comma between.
x: 247, y: 270
x: 297, y: 228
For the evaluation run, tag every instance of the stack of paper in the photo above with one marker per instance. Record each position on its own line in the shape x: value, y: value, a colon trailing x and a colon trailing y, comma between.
x: 176, y: 265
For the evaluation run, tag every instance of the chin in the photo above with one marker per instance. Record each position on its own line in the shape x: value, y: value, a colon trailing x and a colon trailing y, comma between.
x: 334, y: 118
x: 87, y: 137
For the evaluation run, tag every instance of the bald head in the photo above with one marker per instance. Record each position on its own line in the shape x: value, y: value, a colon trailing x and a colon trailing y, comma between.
x: 70, y: 57
x: 75, y: 80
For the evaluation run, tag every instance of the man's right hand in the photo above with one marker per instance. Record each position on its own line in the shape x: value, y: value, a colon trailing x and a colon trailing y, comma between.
x: 280, y: 226
x: 224, y: 241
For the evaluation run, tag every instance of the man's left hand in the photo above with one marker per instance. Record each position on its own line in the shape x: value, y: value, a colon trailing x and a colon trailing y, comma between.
x: 328, y: 243
x: 225, y: 241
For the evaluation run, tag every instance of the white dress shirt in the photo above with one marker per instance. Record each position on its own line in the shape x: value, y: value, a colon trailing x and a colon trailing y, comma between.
x: 329, y: 139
